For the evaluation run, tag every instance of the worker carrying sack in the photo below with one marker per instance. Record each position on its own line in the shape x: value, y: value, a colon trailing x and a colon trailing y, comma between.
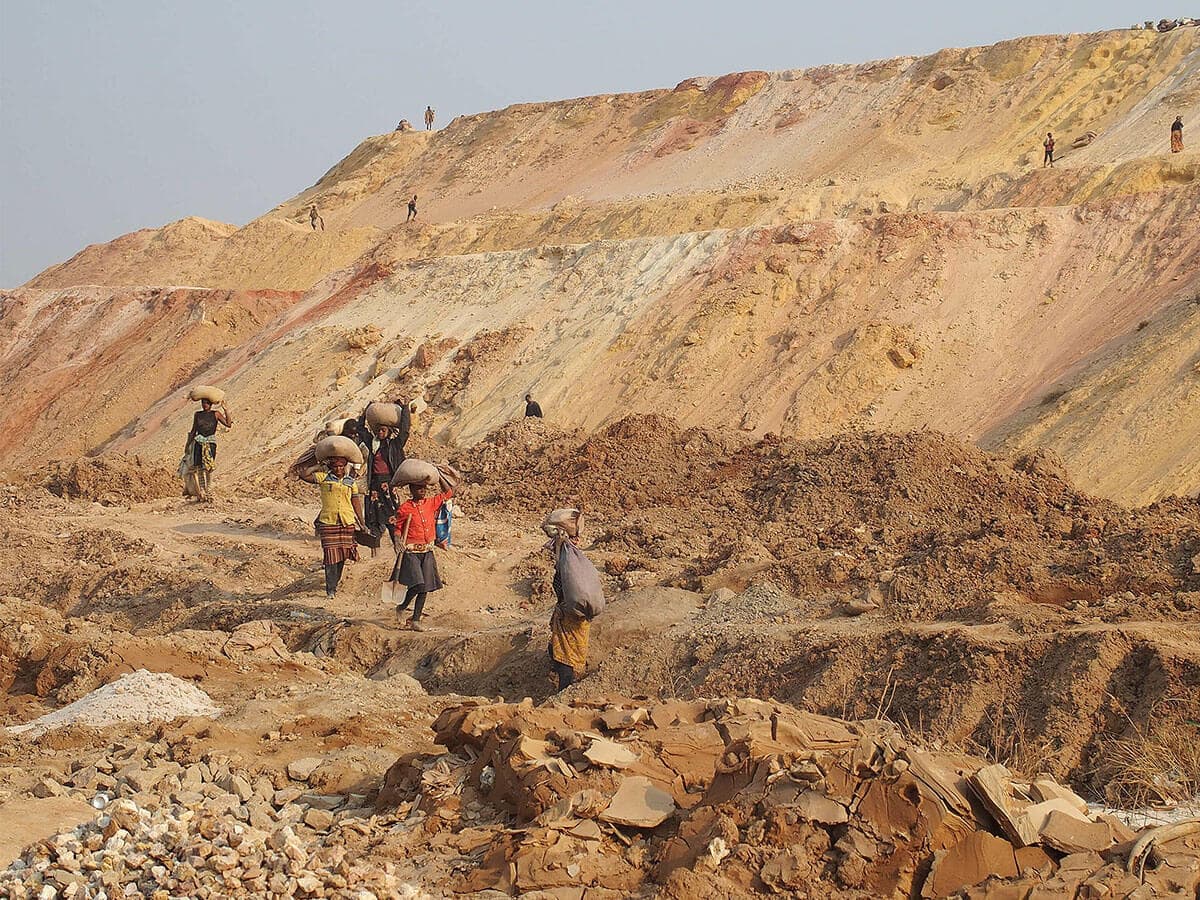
x: 563, y: 522
x: 206, y: 392
x: 337, y: 445
x: 582, y: 593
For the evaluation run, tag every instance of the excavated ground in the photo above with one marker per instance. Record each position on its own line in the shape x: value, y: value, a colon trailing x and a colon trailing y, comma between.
x: 969, y: 601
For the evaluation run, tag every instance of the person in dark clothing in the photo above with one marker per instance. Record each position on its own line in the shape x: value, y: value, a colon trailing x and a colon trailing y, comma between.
x: 383, y: 453
x: 533, y: 409
x: 201, y: 446
x: 412, y: 209
x: 1177, y: 135
x: 1048, y: 146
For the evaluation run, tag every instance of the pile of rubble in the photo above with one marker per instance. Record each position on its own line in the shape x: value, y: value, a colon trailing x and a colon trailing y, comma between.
x: 741, y: 797
x: 173, y: 824
x: 174, y: 851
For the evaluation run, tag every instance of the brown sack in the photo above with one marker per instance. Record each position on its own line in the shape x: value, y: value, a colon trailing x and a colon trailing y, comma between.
x: 337, y: 445
x: 448, y: 477
x: 336, y: 426
x: 417, y: 471
x: 305, y: 468
x: 569, y: 521
x: 206, y: 392
x: 383, y: 414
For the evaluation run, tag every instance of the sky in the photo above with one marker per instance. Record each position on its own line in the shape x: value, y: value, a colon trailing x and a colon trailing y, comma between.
x: 129, y: 114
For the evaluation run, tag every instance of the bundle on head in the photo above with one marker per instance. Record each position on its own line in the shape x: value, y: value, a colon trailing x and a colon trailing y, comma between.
x: 336, y: 426
x: 206, y: 392
x: 305, y: 468
x: 442, y: 476
x: 338, y: 445
x: 389, y: 414
x: 562, y: 523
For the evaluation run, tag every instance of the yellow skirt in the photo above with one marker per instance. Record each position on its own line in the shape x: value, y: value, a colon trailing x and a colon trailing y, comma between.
x: 569, y: 639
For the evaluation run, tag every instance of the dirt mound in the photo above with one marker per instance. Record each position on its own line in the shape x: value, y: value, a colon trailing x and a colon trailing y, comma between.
x: 114, y: 480
x: 919, y: 524
x: 744, y: 797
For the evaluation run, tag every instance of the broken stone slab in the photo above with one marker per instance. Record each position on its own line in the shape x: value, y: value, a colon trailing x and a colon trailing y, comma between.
x: 302, y: 769
x: 993, y: 785
x: 1067, y: 833
x: 603, y: 752
x: 978, y: 856
x: 623, y: 719
x: 638, y: 803
x: 322, y: 801
x: 816, y: 807
x: 1048, y: 789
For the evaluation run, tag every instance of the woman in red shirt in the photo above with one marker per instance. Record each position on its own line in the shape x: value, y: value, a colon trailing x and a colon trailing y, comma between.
x: 418, y: 571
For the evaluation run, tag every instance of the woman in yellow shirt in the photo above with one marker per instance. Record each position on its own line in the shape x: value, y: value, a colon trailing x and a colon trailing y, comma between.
x: 341, y: 511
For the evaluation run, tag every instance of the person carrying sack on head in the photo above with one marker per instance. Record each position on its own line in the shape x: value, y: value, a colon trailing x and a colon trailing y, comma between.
x: 417, y: 568
x: 578, y: 593
x: 341, y: 511
x: 200, y: 450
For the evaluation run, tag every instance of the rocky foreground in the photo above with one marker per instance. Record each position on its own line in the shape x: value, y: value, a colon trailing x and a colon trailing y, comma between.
x: 658, y: 799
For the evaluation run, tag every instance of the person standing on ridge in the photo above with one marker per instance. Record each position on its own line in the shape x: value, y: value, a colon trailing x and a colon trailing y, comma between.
x: 1177, y: 135
x: 429, y: 118
x: 412, y: 209
x: 202, y: 445
x: 416, y: 520
x: 533, y: 409
x: 314, y: 217
x: 1048, y: 146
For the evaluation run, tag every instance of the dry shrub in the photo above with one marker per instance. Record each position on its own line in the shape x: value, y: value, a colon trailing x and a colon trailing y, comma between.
x: 1156, y: 767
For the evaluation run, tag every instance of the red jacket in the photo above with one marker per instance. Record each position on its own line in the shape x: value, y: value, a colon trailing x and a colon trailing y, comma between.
x: 423, y: 515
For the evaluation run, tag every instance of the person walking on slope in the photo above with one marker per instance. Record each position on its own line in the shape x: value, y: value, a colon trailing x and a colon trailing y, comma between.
x: 201, y: 447
x: 578, y: 596
x: 412, y: 209
x: 1177, y: 135
x: 314, y: 217
x: 533, y: 409
x: 383, y: 453
x: 341, y: 511
x: 429, y: 118
x: 1048, y: 146
x: 416, y: 520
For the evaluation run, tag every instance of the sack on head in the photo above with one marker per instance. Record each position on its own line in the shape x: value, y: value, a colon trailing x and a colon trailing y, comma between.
x: 336, y: 426
x: 388, y: 414
x: 206, y: 392
x: 563, y: 523
x: 337, y: 445
x: 416, y: 471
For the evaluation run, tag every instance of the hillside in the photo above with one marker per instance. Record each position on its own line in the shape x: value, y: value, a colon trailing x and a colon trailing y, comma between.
x: 869, y: 245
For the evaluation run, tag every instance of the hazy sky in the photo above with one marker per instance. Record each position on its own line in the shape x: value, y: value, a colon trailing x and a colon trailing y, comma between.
x: 125, y: 114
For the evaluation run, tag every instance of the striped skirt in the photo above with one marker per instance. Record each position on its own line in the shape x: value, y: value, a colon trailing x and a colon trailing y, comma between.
x: 337, y: 543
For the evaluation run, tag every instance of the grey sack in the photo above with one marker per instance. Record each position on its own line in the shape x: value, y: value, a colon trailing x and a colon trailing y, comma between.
x: 582, y: 592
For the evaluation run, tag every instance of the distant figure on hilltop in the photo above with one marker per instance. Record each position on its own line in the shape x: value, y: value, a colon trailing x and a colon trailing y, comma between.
x: 429, y: 118
x: 314, y: 217
x: 412, y: 209
x: 404, y: 125
x: 532, y: 409
x: 1177, y: 135
x: 1048, y: 146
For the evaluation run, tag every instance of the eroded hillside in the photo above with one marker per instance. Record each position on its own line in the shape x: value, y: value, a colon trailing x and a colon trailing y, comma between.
x: 872, y: 245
